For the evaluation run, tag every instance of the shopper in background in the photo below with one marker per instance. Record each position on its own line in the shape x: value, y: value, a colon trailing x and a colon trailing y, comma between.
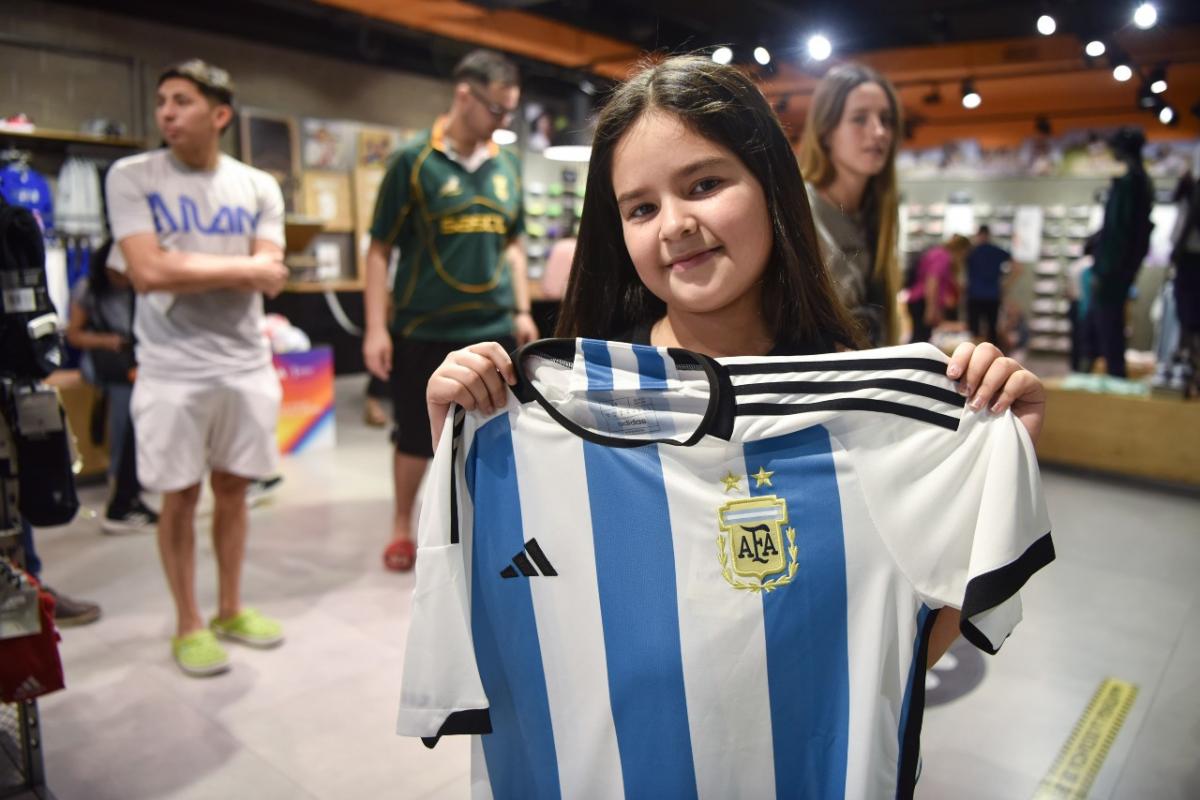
x: 988, y: 269
x: 848, y: 157
x: 1185, y: 256
x: 934, y: 296
x: 716, y: 258
x: 451, y: 201
x: 1124, y: 242
x: 101, y: 325
x: 1079, y: 299
x: 200, y: 236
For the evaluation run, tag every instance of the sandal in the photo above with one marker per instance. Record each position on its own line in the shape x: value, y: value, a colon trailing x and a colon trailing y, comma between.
x: 400, y: 555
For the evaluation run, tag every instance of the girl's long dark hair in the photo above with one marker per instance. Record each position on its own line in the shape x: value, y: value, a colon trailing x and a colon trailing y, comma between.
x: 98, y: 283
x: 606, y: 298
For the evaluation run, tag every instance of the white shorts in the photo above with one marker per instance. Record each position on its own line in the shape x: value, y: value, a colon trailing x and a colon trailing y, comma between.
x: 185, y: 428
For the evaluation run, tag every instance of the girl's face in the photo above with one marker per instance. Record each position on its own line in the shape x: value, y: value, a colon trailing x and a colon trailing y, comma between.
x: 694, y: 217
x: 862, y: 140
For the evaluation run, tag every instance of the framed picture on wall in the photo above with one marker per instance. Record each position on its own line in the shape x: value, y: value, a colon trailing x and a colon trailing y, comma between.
x: 269, y: 141
x: 326, y: 195
x: 329, y: 144
x: 376, y: 144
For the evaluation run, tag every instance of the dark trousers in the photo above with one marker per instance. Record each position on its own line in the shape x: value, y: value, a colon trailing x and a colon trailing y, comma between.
x: 127, y: 489
x: 1083, y: 340
x: 920, y: 331
x: 1108, y: 324
x: 979, y: 312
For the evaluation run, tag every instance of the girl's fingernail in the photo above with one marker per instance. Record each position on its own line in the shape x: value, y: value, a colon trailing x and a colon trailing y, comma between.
x: 976, y: 403
x: 998, y: 408
x: 954, y: 371
x: 964, y: 390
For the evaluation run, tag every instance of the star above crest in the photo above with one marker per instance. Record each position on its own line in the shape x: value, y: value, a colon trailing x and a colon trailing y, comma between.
x: 763, y: 477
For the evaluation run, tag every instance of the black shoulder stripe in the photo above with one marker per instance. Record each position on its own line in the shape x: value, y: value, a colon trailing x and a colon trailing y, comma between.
x: 832, y: 387
x: 475, y: 720
x: 840, y: 365
x: 990, y: 590
x: 850, y: 404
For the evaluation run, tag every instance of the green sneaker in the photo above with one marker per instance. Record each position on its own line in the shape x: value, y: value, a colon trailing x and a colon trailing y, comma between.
x: 199, y: 654
x: 249, y: 627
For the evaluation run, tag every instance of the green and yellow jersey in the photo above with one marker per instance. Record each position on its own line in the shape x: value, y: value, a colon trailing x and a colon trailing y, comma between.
x: 451, y: 225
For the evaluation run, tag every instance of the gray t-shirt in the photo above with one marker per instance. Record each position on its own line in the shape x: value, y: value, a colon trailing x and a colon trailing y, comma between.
x: 850, y: 259
x: 196, y: 335
x: 110, y: 311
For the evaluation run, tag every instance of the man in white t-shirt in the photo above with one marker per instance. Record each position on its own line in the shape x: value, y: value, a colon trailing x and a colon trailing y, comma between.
x: 200, y: 236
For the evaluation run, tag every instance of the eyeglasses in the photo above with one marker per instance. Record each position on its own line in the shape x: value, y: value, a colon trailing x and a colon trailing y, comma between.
x: 495, y: 109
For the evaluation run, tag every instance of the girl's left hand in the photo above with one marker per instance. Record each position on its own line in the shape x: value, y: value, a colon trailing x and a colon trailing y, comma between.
x: 989, y: 379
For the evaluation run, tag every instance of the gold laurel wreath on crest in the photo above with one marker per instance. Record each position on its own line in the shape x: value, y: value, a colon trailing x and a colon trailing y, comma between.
x: 765, y: 586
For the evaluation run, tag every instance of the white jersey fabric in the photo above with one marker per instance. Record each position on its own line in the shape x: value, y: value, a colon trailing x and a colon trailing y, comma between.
x: 655, y: 574
x: 196, y: 335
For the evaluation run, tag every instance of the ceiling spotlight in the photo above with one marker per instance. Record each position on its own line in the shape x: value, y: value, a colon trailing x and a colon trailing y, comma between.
x: 1046, y: 25
x: 934, y: 97
x: 503, y: 136
x: 1145, y: 15
x: 1095, y: 48
x: 1122, y: 72
x: 819, y: 47
x: 762, y: 55
x: 1158, y: 80
x: 1041, y: 124
x: 970, y: 97
x: 722, y: 55
x: 1167, y: 116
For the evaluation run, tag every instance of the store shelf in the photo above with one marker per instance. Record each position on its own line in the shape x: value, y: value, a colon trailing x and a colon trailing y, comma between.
x: 1145, y: 437
x: 51, y: 136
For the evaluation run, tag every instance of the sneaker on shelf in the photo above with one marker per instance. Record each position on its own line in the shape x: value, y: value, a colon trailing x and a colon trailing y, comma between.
x: 133, y: 520
x: 1162, y: 376
x: 199, y: 654
x: 259, y: 492
x: 249, y: 627
x: 1181, y: 376
x: 71, y: 613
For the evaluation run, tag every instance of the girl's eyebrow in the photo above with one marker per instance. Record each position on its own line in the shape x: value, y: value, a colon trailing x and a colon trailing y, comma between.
x: 690, y: 169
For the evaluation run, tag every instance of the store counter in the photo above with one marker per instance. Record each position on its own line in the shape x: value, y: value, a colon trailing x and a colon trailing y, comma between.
x: 1142, y: 437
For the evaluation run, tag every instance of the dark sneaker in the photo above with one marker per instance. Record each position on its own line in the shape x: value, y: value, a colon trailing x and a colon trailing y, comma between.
x: 71, y: 613
x: 135, y: 520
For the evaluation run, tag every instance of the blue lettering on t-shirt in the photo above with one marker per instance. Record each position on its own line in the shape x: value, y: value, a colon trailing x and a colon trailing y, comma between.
x: 227, y: 221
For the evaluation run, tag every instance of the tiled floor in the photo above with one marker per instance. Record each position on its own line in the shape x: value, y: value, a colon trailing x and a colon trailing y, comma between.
x: 314, y: 719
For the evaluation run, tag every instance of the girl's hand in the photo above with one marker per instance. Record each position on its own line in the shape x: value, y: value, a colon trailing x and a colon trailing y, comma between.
x: 474, y: 377
x: 990, y: 379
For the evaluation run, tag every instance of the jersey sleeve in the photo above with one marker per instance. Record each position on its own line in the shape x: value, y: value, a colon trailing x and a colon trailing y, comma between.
x: 393, y: 202
x: 128, y: 209
x: 271, y: 211
x: 966, y: 520
x: 441, y: 692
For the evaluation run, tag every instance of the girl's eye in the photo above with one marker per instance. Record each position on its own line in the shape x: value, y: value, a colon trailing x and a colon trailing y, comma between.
x: 705, y: 185
x: 641, y: 211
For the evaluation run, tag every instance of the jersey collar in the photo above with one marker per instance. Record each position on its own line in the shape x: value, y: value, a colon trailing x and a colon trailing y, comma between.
x: 472, y: 161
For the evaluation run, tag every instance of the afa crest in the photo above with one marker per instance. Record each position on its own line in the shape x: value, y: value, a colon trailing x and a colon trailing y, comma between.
x: 500, y: 187
x: 757, y: 552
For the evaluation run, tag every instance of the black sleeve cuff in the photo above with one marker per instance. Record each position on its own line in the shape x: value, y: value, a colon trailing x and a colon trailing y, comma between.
x: 990, y: 590
x: 477, y: 720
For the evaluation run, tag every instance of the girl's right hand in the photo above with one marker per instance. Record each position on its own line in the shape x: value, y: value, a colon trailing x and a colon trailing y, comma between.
x: 474, y: 377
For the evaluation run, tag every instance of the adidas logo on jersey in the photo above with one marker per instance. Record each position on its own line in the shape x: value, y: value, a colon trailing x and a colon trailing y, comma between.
x: 525, y: 567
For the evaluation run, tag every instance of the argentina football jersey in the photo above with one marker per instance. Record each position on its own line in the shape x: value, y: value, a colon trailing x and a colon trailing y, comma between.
x: 658, y: 574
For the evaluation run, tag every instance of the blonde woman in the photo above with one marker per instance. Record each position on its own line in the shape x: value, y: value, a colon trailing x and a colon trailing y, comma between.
x: 848, y: 158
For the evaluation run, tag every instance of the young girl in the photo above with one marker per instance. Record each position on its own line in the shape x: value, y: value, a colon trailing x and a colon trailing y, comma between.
x: 716, y: 252
x: 848, y: 158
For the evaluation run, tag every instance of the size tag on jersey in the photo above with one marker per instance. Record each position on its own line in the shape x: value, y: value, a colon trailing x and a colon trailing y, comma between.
x: 19, y: 301
x: 633, y: 415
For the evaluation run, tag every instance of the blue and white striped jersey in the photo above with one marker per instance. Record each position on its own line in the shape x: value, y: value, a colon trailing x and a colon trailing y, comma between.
x: 656, y: 574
